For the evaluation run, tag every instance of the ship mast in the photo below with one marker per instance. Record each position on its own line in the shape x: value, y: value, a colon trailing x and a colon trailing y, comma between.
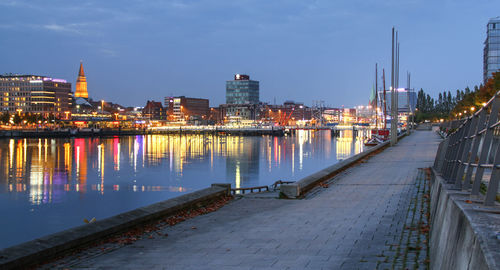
x: 376, y: 97
x: 385, y: 107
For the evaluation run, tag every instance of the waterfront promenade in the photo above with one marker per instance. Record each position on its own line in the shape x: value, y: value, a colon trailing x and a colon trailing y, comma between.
x: 358, y: 222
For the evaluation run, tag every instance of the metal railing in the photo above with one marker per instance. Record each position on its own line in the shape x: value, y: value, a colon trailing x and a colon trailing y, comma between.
x: 471, y: 149
x: 251, y: 189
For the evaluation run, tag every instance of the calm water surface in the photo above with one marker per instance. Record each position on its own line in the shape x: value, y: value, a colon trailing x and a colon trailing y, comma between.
x: 48, y: 185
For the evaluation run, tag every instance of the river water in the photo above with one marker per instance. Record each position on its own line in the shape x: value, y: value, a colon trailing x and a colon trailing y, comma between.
x: 48, y: 185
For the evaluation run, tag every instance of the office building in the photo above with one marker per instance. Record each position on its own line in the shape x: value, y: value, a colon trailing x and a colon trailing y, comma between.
x: 491, y: 56
x: 35, y: 94
x: 81, y: 84
x: 242, y: 90
x: 186, y: 108
x: 405, y: 96
x: 239, y: 112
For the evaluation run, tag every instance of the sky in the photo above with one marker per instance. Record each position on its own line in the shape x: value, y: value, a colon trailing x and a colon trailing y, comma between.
x: 301, y: 50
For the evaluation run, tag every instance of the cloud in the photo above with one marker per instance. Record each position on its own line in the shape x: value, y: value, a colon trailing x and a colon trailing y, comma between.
x: 108, y: 52
x: 68, y: 28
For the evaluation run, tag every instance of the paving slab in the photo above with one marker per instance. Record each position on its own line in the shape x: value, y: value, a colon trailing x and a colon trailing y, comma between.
x: 349, y: 225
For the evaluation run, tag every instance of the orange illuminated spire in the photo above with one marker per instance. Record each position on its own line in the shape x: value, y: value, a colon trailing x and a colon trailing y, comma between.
x: 81, y: 84
x: 81, y: 73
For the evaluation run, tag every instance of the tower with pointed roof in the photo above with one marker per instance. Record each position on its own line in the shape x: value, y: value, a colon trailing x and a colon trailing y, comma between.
x: 81, y: 84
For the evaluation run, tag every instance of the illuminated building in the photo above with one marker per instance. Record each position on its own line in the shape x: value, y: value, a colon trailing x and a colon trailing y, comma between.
x: 35, y: 94
x: 332, y: 115
x: 242, y: 90
x: 154, y: 110
x: 491, y: 56
x: 186, y: 108
x: 404, y: 95
x: 238, y: 112
x: 288, y: 112
x: 81, y: 84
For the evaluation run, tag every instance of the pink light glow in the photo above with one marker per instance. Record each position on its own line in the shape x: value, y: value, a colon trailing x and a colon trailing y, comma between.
x: 54, y: 80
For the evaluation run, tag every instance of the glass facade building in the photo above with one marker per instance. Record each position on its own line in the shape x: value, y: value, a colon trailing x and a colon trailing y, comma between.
x: 242, y: 90
x: 491, y: 62
x: 404, y: 96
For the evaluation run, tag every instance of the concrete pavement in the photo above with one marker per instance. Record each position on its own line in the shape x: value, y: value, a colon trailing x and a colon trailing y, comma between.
x: 353, y: 224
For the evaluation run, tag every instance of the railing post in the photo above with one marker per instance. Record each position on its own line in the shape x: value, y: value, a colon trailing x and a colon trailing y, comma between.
x: 488, y: 135
x: 440, y: 157
x: 475, y: 147
x: 462, y: 137
x: 447, y: 155
x: 450, y: 156
x: 461, y: 156
x: 491, y: 193
x: 465, y: 155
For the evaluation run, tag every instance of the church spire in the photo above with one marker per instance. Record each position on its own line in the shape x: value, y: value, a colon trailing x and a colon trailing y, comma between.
x: 81, y: 83
x: 81, y: 73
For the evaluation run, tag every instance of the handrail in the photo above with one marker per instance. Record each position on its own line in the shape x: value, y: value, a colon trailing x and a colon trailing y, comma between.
x: 259, y: 188
x: 280, y: 182
x: 470, y: 149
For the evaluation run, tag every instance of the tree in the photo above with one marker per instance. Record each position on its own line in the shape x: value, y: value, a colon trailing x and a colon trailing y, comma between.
x: 450, y: 102
x: 17, y: 119
x: 5, y: 117
x: 440, y: 103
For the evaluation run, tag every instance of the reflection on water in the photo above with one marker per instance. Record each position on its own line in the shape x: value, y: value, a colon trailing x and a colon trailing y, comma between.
x: 55, y: 183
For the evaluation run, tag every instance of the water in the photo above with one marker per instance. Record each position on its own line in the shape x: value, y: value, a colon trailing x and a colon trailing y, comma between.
x: 48, y: 185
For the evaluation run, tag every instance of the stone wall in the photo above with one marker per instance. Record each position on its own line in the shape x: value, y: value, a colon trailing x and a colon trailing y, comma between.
x: 464, y: 233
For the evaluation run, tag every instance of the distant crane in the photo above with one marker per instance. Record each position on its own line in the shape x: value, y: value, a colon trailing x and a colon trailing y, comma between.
x: 286, y: 118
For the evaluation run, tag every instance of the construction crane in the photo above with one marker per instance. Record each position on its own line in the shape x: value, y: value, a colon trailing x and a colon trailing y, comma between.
x: 286, y: 118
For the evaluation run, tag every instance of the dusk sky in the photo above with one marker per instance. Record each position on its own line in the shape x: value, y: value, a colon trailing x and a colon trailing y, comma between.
x: 135, y: 51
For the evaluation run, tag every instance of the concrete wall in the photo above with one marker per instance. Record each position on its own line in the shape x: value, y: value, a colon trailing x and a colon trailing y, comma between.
x: 464, y: 233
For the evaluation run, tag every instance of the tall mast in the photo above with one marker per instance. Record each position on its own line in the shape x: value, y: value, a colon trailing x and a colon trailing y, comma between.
x: 392, y: 90
x: 376, y: 96
x: 385, y: 106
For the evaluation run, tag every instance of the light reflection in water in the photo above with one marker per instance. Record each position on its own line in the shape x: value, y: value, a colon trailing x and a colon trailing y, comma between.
x: 68, y: 159
x: 100, y: 177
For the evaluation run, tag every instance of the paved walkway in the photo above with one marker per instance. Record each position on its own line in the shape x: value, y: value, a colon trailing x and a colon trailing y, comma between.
x: 350, y: 225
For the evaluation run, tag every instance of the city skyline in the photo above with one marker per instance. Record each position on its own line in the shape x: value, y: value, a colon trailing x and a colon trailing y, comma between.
x: 301, y: 51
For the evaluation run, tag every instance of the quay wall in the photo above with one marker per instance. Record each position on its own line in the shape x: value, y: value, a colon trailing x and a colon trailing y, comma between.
x: 49, y: 247
x: 464, y: 233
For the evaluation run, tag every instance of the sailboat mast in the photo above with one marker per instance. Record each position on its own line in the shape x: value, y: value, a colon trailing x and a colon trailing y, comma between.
x: 385, y: 107
x: 376, y: 97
